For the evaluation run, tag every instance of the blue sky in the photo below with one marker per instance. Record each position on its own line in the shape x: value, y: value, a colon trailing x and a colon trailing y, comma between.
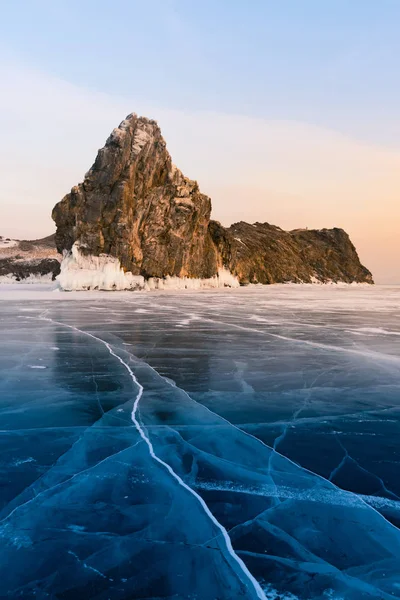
x: 286, y: 108
x: 328, y: 62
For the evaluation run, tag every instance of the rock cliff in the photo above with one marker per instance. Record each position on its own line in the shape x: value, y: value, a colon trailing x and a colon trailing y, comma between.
x: 134, y: 204
x: 135, y: 213
x: 264, y: 253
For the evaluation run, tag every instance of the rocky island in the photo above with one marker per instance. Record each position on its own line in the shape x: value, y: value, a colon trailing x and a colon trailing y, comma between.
x: 136, y: 222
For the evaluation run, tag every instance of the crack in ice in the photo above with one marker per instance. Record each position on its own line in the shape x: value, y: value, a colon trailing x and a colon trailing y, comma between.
x: 348, y: 458
x: 280, y: 438
x: 256, y: 586
x: 61, y: 483
x: 86, y: 566
x: 330, y: 347
x: 173, y: 384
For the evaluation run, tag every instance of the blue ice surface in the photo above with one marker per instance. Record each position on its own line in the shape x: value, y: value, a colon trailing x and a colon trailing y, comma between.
x: 215, y: 445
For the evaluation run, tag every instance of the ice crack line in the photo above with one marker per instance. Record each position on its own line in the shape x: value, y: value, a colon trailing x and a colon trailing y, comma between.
x: 257, y: 588
x: 280, y: 438
x: 86, y: 566
x: 65, y: 481
x: 371, y: 354
x: 360, y: 497
x: 347, y: 458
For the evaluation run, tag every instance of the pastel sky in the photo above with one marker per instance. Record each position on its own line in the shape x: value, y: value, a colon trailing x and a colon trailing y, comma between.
x: 285, y: 111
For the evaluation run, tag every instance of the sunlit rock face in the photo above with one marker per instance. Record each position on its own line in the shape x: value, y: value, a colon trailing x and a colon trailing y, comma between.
x: 134, y: 205
x: 264, y: 253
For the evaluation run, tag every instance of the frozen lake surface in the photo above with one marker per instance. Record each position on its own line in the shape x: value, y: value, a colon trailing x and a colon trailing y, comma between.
x: 209, y: 445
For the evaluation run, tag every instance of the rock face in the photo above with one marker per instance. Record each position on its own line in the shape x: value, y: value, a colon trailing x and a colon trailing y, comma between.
x: 134, y: 205
x: 33, y: 261
x: 263, y: 253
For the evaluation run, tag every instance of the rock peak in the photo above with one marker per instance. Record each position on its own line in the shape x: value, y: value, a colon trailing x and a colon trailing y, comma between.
x: 135, y: 205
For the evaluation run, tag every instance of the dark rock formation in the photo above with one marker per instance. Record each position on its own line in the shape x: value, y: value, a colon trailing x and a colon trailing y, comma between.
x: 20, y: 269
x: 23, y: 259
x: 135, y: 205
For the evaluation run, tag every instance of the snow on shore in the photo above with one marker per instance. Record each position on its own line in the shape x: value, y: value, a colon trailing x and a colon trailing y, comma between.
x: 80, y: 272
x: 11, y: 278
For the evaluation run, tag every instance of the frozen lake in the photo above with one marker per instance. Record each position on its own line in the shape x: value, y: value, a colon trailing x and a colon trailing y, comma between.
x: 200, y: 445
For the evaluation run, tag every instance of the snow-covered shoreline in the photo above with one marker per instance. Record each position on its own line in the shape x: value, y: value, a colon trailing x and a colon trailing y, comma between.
x: 173, y: 284
x: 11, y: 279
x: 80, y: 272
x: 83, y: 272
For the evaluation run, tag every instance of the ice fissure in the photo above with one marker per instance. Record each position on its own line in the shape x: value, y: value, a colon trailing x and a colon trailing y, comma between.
x: 273, y: 450
x: 135, y: 530
x: 241, y: 565
x: 328, y: 347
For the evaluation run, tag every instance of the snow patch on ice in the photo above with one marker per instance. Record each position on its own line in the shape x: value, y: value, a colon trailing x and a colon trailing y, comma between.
x: 316, y: 281
x: 272, y: 594
x: 32, y: 279
x: 8, y: 243
x: 104, y: 272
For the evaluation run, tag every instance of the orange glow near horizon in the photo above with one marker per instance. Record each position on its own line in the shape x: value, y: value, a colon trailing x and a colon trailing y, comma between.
x: 287, y: 173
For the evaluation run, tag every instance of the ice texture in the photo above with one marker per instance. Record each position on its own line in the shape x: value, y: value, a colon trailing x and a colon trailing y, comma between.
x: 104, y: 272
x: 217, y: 444
x: 86, y: 272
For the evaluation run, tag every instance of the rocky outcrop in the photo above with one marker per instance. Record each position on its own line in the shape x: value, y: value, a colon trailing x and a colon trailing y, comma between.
x: 33, y: 261
x: 134, y: 204
x: 264, y: 253
x: 135, y: 207
x: 33, y: 270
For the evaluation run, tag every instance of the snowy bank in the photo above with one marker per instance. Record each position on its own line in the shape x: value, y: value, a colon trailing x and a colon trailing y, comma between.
x: 31, y: 279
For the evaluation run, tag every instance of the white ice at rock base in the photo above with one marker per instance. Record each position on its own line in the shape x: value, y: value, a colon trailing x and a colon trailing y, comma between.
x: 104, y: 272
x: 224, y: 278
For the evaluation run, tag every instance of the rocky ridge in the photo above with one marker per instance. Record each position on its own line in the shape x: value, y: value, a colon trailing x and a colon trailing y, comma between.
x: 135, y: 207
x: 263, y: 253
